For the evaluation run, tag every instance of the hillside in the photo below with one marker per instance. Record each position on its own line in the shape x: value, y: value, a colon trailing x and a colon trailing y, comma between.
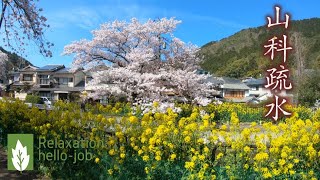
x: 14, y: 61
x: 241, y: 54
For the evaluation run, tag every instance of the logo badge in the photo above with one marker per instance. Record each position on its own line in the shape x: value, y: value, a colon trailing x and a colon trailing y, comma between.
x: 20, y: 152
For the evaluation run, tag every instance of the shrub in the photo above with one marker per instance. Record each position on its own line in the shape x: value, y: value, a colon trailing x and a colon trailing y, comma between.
x: 33, y: 99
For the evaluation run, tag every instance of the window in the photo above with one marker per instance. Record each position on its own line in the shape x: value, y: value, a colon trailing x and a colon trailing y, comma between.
x: 64, y: 81
x: 45, y: 94
x: 89, y: 79
x: 234, y: 94
x: 44, y: 79
x: 27, y: 77
x: 254, y: 88
x: 70, y: 79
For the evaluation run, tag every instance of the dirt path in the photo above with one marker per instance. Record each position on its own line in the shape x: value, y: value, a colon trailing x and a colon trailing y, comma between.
x: 8, y: 175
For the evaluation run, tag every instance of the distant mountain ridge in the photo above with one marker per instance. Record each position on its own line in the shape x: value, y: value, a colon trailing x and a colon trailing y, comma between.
x: 241, y: 55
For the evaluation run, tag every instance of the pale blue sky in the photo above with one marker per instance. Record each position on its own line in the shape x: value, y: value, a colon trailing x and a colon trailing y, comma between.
x: 202, y: 20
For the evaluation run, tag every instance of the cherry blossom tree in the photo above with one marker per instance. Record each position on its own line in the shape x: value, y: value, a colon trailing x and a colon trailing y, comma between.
x: 146, y: 61
x: 20, y: 22
x: 3, y: 60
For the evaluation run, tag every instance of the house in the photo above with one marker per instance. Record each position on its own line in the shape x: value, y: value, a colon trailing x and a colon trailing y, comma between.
x: 256, y: 86
x: 55, y: 82
x: 21, y: 81
x: 234, y: 90
x: 258, y: 90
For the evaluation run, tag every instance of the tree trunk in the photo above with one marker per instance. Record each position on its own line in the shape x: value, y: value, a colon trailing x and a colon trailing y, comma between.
x: 4, y: 7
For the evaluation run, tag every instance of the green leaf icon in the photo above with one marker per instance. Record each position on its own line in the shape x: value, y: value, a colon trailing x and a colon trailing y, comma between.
x: 20, y: 158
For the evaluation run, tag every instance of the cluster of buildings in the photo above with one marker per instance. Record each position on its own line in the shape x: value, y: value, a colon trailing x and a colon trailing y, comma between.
x: 57, y: 82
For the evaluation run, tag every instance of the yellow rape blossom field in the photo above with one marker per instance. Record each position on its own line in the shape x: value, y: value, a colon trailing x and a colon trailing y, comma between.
x: 227, y: 141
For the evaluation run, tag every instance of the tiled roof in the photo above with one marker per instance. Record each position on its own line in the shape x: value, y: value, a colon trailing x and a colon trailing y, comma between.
x: 64, y: 71
x: 213, y: 80
x: 232, y: 83
x: 240, y: 86
x: 51, y: 67
x: 253, y: 81
x: 28, y: 68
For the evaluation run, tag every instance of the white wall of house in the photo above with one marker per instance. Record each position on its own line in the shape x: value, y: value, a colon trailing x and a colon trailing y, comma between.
x: 258, y: 91
x: 76, y: 79
x: 21, y: 96
x: 262, y: 91
x: 246, y: 93
x: 55, y: 97
x: 64, y: 80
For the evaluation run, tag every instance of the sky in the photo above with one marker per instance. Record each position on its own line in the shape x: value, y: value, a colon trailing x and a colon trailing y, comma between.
x: 202, y: 20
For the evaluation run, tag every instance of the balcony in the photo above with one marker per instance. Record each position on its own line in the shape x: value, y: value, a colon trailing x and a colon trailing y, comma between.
x: 44, y: 81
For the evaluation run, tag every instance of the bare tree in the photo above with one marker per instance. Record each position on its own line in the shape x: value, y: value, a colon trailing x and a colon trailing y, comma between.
x: 20, y: 22
x: 299, y: 55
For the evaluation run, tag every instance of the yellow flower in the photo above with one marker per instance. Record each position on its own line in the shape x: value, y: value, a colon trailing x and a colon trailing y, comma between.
x: 224, y: 127
x: 110, y: 171
x: 246, y: 149
x: 245, y: 133
x: 148, y: 131
x: 133, y: 119
x: 219, y: 156
x: 111, y: 142
x: 158, y: 158
x: 276, y: 172
x: 290, y: 165
x: 213, y: 177
x: 284, y: 155
x: 97, y: 160
x: 145, y: 158
x: 155, y: 104
x: 173, y: 157
x: 146, y: 169
x: 261, y: 156
x: 311, y: 173
x: 48, y: 125
x: 246, y: 166
x: 292, y: 172
x: 201, y: 175
x: 200, y: 141
x: 282, y: 162
x: 187, y: 139
x: 112, y: 152
x: 170, y: 145
x: 122, y: 155
x: 122, y: 148
x: 189, y: 165
x: 206, y: 149
x: 267, y: 175
x: 202, y: 157
x: 194, y: 158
